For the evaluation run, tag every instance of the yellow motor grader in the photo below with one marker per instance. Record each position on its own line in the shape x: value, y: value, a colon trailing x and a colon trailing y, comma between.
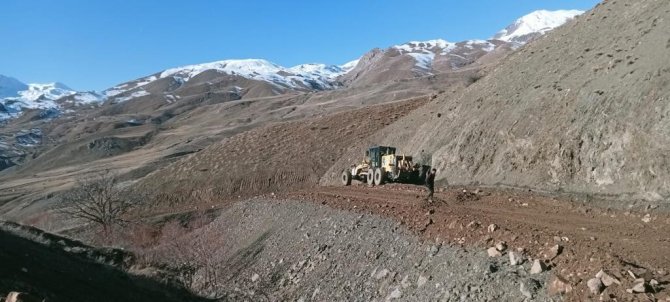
x: 381, y: 165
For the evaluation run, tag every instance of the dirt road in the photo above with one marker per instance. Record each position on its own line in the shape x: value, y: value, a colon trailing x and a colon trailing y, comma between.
x: 592, y: 239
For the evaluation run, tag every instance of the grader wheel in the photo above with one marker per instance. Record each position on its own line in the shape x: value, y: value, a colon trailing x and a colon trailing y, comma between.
x: 380, y: 176
x: 371, y: 177
x: 346, y: 177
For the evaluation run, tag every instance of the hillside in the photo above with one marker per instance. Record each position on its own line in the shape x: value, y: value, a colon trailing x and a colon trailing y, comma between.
x: 561, y: 114
x: 60, y: 269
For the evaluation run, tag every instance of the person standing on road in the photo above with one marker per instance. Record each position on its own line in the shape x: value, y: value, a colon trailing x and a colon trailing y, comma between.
x: 430, y: 184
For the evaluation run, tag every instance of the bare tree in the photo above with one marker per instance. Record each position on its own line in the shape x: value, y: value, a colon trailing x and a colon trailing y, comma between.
x: 99, y: 200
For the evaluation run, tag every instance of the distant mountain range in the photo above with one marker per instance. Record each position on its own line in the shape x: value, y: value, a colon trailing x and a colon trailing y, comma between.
x: 258, y: 77
x: 16, y: 96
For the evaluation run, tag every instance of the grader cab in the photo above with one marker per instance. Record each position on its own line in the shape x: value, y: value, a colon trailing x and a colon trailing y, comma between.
x: 381, y: 165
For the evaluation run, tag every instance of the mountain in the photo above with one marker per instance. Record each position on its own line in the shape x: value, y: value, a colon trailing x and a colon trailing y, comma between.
x: 423, y: 58
x: 535, y: 24
x: 16, y: 97
x: 249, y: 78
x: 408, y: 60
x: 305, y: 77
x: 584, y: 109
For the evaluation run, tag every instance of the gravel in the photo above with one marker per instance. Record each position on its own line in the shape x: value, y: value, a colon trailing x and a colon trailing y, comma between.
x: 309, y: 252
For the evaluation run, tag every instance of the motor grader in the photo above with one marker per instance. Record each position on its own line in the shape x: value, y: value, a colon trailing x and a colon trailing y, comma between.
x: 381, y: 165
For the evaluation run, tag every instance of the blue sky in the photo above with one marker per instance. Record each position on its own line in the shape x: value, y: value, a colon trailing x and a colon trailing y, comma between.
x: 93, y: 45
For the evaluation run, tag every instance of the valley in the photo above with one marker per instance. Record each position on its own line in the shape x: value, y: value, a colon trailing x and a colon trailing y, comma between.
x: 550, y: 141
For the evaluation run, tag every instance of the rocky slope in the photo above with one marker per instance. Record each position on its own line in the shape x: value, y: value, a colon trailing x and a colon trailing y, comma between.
x: 582, y: 109
x: 338, y: 255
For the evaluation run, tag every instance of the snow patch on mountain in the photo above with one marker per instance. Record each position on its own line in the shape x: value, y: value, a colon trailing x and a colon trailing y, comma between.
x: 537, y: 22
x: 429, y: 46
x: 486, y: 46
x: 423, y: 60
x: 347, y: 67
x: 119, y: 89
x: 135, y: 94
x: 317, y: 71
x: 50, y: 91
x: 88, y: 98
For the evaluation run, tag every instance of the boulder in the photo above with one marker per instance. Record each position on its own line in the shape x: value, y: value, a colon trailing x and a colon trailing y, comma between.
x: 558, y: 286
x: 595, y: 286
x: 501, y: 246
x: 493, y: 252
x: 639, y: 286
x: 607, y: 279
x: 554, y: 251
x: 538, y: 267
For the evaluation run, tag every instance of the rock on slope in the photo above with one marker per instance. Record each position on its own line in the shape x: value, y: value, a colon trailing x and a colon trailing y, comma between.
x: 585, y: 109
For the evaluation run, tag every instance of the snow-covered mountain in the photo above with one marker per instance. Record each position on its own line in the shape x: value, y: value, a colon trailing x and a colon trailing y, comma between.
x: 50, y: 91
x: 16, y: 96
x: 535, y: 24
x: 411, y: 59
x: 424, y: 57
x: 301, y: 77
x: 520, y: 32
x: 421, y: 58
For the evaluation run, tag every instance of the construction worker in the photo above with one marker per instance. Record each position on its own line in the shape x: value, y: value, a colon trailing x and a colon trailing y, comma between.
x: 430, y: 184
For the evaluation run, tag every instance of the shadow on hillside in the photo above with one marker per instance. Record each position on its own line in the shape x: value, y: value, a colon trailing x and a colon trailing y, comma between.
x: 71, y: 274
